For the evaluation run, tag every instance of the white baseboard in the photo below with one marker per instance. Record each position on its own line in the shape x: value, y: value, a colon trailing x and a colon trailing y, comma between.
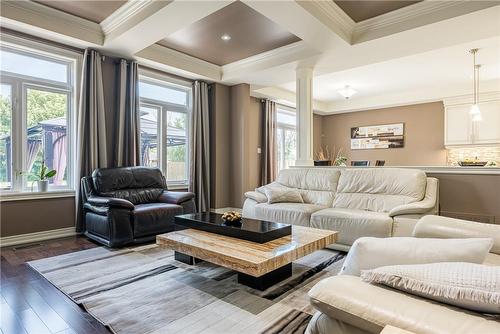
x: 37, y: 236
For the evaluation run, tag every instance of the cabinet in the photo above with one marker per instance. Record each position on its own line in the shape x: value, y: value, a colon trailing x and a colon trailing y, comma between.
x: 459, y: 128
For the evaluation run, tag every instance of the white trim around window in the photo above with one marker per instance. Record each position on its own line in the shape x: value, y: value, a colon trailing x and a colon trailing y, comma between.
x: 162, y: 109
x: 20, y: 84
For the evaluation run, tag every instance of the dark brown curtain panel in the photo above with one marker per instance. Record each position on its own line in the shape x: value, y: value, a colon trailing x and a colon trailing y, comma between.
x: 91, y: 126
x: 199, y: 181
x: 269, y: 167
x: 127, y: 135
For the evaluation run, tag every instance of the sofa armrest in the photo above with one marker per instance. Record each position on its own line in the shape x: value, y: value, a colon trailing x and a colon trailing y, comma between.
x: 175, y: 197
x: 372, y: 307
x: 444, y: 227
x: 100, y: 201
x: 256, y: 196
x: 426, y: 205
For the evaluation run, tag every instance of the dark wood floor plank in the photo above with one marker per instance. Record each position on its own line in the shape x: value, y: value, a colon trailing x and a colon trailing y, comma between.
x: 9, y: 322
x: 74, y: 315
x: 49, y: 317
x: 32, y: 323
x: 35, y: 305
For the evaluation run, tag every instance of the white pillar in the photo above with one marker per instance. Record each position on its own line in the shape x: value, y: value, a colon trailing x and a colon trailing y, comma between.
x: 304, y: 105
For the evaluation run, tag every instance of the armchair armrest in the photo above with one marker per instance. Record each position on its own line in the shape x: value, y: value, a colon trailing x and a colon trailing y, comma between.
x: 256, y: 196
x: 100, y: 201
x: 175, y: 197
x: 428, y: 203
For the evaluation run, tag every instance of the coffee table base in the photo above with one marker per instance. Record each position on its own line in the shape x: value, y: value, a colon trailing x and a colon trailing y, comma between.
x: 267, y: 280
x: 259, y: 283
x: 187, y: 259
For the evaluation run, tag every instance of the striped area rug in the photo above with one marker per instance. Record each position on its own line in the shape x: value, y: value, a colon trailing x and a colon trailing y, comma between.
x: 144, y: 290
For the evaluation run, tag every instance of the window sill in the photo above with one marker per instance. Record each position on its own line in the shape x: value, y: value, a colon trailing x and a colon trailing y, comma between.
x: 28, y: 195
x: 177, y: 186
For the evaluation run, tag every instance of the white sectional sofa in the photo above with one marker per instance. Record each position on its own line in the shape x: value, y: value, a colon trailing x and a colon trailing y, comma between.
x: 357, y: 202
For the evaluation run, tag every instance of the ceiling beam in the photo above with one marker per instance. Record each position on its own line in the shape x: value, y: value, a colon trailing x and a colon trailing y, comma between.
x: 45, y: 22
x: 163, y: 58
x: 291, y: 53
x: 296, y: 19
x: 139, y: 24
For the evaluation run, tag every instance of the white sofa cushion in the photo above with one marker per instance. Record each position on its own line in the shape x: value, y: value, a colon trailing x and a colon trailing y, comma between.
x: 316, y: 185
x: 370, y: 253
x: 379, y: 190
x: 467, y: 285
x: 325, y: 179
x: 287, y: 213
x: 352, y: 224
x: 371, y: 307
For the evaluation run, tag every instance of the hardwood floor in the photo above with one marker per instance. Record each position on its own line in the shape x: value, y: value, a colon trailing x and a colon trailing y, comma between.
x: 29, y: 303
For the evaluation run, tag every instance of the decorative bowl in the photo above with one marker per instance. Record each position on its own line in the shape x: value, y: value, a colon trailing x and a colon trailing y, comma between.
x: 232, y: 217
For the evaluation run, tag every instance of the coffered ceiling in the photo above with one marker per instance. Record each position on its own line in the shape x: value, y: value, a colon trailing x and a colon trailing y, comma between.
x: 95, y: 11
x: 250, y: 33
x: 363, y: 10
x: 379, y: 47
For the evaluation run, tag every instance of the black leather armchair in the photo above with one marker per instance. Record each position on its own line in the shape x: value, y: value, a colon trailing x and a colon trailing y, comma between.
x: 130, y: 205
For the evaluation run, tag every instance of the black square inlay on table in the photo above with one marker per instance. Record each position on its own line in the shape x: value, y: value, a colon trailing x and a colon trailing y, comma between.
x: 248, y: 229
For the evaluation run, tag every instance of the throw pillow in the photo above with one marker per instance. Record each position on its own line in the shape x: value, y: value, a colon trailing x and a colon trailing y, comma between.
x: 277, y: 193
x: 467, y: 285
x: 370, y: 253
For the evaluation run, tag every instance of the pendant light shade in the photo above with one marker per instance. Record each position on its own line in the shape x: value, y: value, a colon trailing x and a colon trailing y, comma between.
x: 475, y: 112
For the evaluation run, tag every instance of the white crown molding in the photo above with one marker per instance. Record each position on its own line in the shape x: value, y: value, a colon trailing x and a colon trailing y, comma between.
x: 37, y: 19
x: 37, y: 236
x: 418, y: 14
x: 163, y: 58
x: 467, y: 99
x: 276, y: 57
x: 285, y: 97
x: 123, y: 14
x: 330, y: 14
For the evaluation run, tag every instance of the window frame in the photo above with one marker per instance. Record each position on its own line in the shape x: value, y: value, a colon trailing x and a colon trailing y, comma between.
x: 157, y: 79
x: 20, y: 189
x: 284, y: 127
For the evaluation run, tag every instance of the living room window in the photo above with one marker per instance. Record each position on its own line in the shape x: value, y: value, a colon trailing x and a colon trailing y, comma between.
x: 37, y: 103
x: 286, y: 137
x: 164, y: 126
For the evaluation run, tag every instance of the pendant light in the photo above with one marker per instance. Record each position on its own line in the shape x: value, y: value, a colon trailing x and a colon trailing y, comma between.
x: 475, y: 112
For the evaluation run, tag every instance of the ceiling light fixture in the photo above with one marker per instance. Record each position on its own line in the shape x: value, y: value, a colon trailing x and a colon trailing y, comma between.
x: 225, y: 37
x: 347, y: 92
x: 475, y: 112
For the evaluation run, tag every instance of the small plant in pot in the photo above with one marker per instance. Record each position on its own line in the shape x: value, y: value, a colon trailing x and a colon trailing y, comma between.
x: 42, y: 178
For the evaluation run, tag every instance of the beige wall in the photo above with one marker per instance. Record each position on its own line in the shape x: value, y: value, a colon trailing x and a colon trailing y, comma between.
x: 28, y: 216
x: 317, y: 133
x: 470, y: 197
x: 220, y: 135
x: 424, y: 134
x: 245, y: 139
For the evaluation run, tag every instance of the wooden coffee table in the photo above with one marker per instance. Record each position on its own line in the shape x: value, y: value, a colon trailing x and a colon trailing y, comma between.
x: 259, y: 265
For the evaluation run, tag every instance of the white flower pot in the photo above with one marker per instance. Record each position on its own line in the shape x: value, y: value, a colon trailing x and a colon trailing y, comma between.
x: 43, y: 185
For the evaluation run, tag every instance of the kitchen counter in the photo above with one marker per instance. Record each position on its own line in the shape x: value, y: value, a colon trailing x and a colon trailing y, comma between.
x: 434, y: 169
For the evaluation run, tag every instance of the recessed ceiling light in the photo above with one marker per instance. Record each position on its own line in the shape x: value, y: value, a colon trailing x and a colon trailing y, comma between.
x: 347, y: 92
x: 225, y: 37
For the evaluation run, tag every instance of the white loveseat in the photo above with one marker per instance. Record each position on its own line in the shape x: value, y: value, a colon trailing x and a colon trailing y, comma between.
x: 357, y: 202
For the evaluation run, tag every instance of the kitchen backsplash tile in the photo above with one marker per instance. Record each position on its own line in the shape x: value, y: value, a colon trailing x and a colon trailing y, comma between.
x: 483, y: 153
